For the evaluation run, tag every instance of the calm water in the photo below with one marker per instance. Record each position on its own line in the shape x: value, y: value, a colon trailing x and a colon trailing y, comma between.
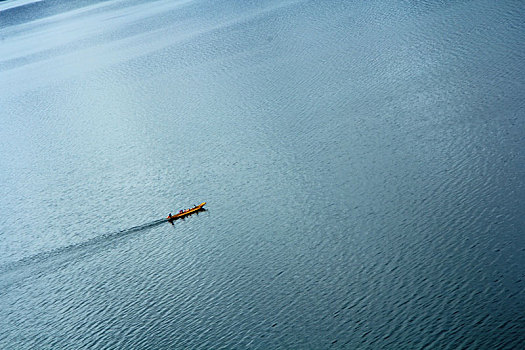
x: 363, y: 164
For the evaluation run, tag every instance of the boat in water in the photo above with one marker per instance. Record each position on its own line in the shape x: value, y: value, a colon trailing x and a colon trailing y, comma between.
x: 185, y: 212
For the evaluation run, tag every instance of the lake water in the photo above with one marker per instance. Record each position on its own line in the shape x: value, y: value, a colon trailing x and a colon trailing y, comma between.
x: 362, y: 163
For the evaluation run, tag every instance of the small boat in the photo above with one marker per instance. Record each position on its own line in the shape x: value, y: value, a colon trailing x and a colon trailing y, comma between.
x: 185, y: 212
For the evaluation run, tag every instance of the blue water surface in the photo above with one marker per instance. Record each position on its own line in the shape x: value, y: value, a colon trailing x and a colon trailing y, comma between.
x: 362, y: 164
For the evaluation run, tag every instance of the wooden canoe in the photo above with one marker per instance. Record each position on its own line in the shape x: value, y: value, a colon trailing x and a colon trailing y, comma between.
x: 185, y: 212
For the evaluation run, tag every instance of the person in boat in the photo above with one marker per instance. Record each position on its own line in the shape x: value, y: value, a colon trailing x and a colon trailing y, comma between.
x: 169, y: 215
x: 181, y: 211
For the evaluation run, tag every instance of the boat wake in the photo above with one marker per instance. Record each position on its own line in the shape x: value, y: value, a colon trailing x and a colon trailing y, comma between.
x: 13, y: 272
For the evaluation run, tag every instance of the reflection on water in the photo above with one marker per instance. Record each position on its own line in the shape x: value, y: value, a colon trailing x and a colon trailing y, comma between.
x: 9, y: 4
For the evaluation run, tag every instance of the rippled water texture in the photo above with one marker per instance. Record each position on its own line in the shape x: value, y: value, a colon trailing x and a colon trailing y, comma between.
x: 362, y: 163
